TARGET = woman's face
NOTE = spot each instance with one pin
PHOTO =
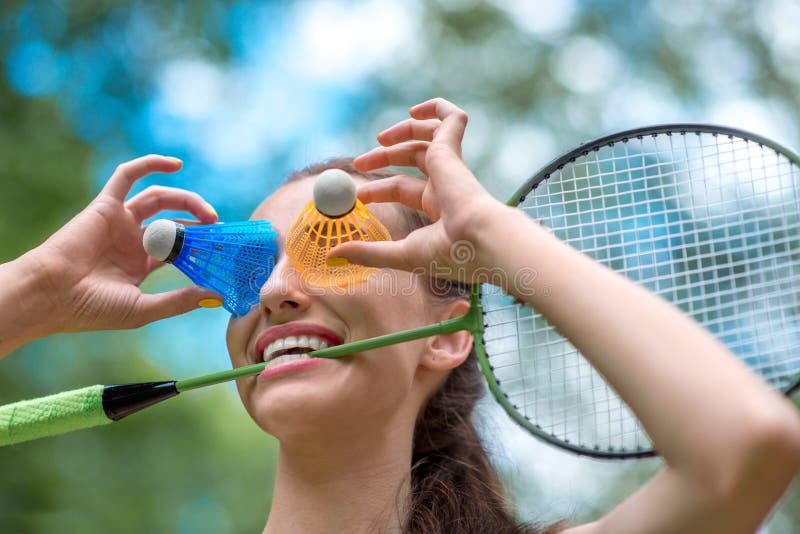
(296, 397)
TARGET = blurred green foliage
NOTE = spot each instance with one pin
(197, 463)
(43, 169)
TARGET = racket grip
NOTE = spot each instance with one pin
(55, 414)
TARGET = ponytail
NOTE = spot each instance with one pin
(454, 486)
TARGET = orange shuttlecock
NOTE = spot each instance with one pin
(334, 216)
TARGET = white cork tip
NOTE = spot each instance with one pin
(334, 193)
(159, 238)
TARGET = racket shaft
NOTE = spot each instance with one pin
(472, 321)
(445, 327)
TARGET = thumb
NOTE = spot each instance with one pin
(153, 307)
(380, 254)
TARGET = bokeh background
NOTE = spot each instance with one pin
(245, 92)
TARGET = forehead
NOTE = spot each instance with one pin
(283, 207)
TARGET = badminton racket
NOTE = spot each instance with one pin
(707, 217)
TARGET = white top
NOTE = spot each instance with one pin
(159, 238)
(334, 193)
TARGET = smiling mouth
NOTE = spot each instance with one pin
(292, 348)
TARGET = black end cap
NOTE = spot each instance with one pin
(121, 400)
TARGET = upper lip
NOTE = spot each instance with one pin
(293, 329)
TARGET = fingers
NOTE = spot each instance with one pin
(454, 120)
(153, 264)
(409, 129)
(404, 155)
(119, 185)
(187, 222)
(435, 123)
(150, 308)
(158, 198)
(403, 189)
(379, 254)
(412, 253)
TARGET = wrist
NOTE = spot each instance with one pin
(511, 246)
(27, 303)
(491, 231)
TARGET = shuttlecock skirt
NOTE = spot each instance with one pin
(314, 234)
(233, 259)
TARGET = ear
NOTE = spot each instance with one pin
(448, 351)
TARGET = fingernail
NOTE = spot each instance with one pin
(176, 160)
(210, 303)
(212, 210)
(336, 261)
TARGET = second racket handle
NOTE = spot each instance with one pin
(55, 414)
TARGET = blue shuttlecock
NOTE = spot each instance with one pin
(233, 259)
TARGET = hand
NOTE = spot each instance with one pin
(452, 197)
(92, 267)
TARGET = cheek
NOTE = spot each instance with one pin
(388, 373)
(393, 309)
(238, 334)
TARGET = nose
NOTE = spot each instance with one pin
(283, 296)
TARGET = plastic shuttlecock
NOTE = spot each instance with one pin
(334, 216)
(233, 259)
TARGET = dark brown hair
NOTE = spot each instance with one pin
(454, 486)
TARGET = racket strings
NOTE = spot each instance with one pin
(709, 222)
(711, 315)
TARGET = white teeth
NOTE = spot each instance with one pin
(293, 342)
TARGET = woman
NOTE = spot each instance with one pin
(361, 450)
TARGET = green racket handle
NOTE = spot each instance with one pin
(51, 415)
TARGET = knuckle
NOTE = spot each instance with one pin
(395, 187)
(153, 190)
(147, 163)
(136, 317)
(460, 115)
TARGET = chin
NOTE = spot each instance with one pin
(290, 409)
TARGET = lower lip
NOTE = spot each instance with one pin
(295, 366)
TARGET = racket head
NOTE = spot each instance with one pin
(705, 216)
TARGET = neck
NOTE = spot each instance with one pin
(355, 482)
